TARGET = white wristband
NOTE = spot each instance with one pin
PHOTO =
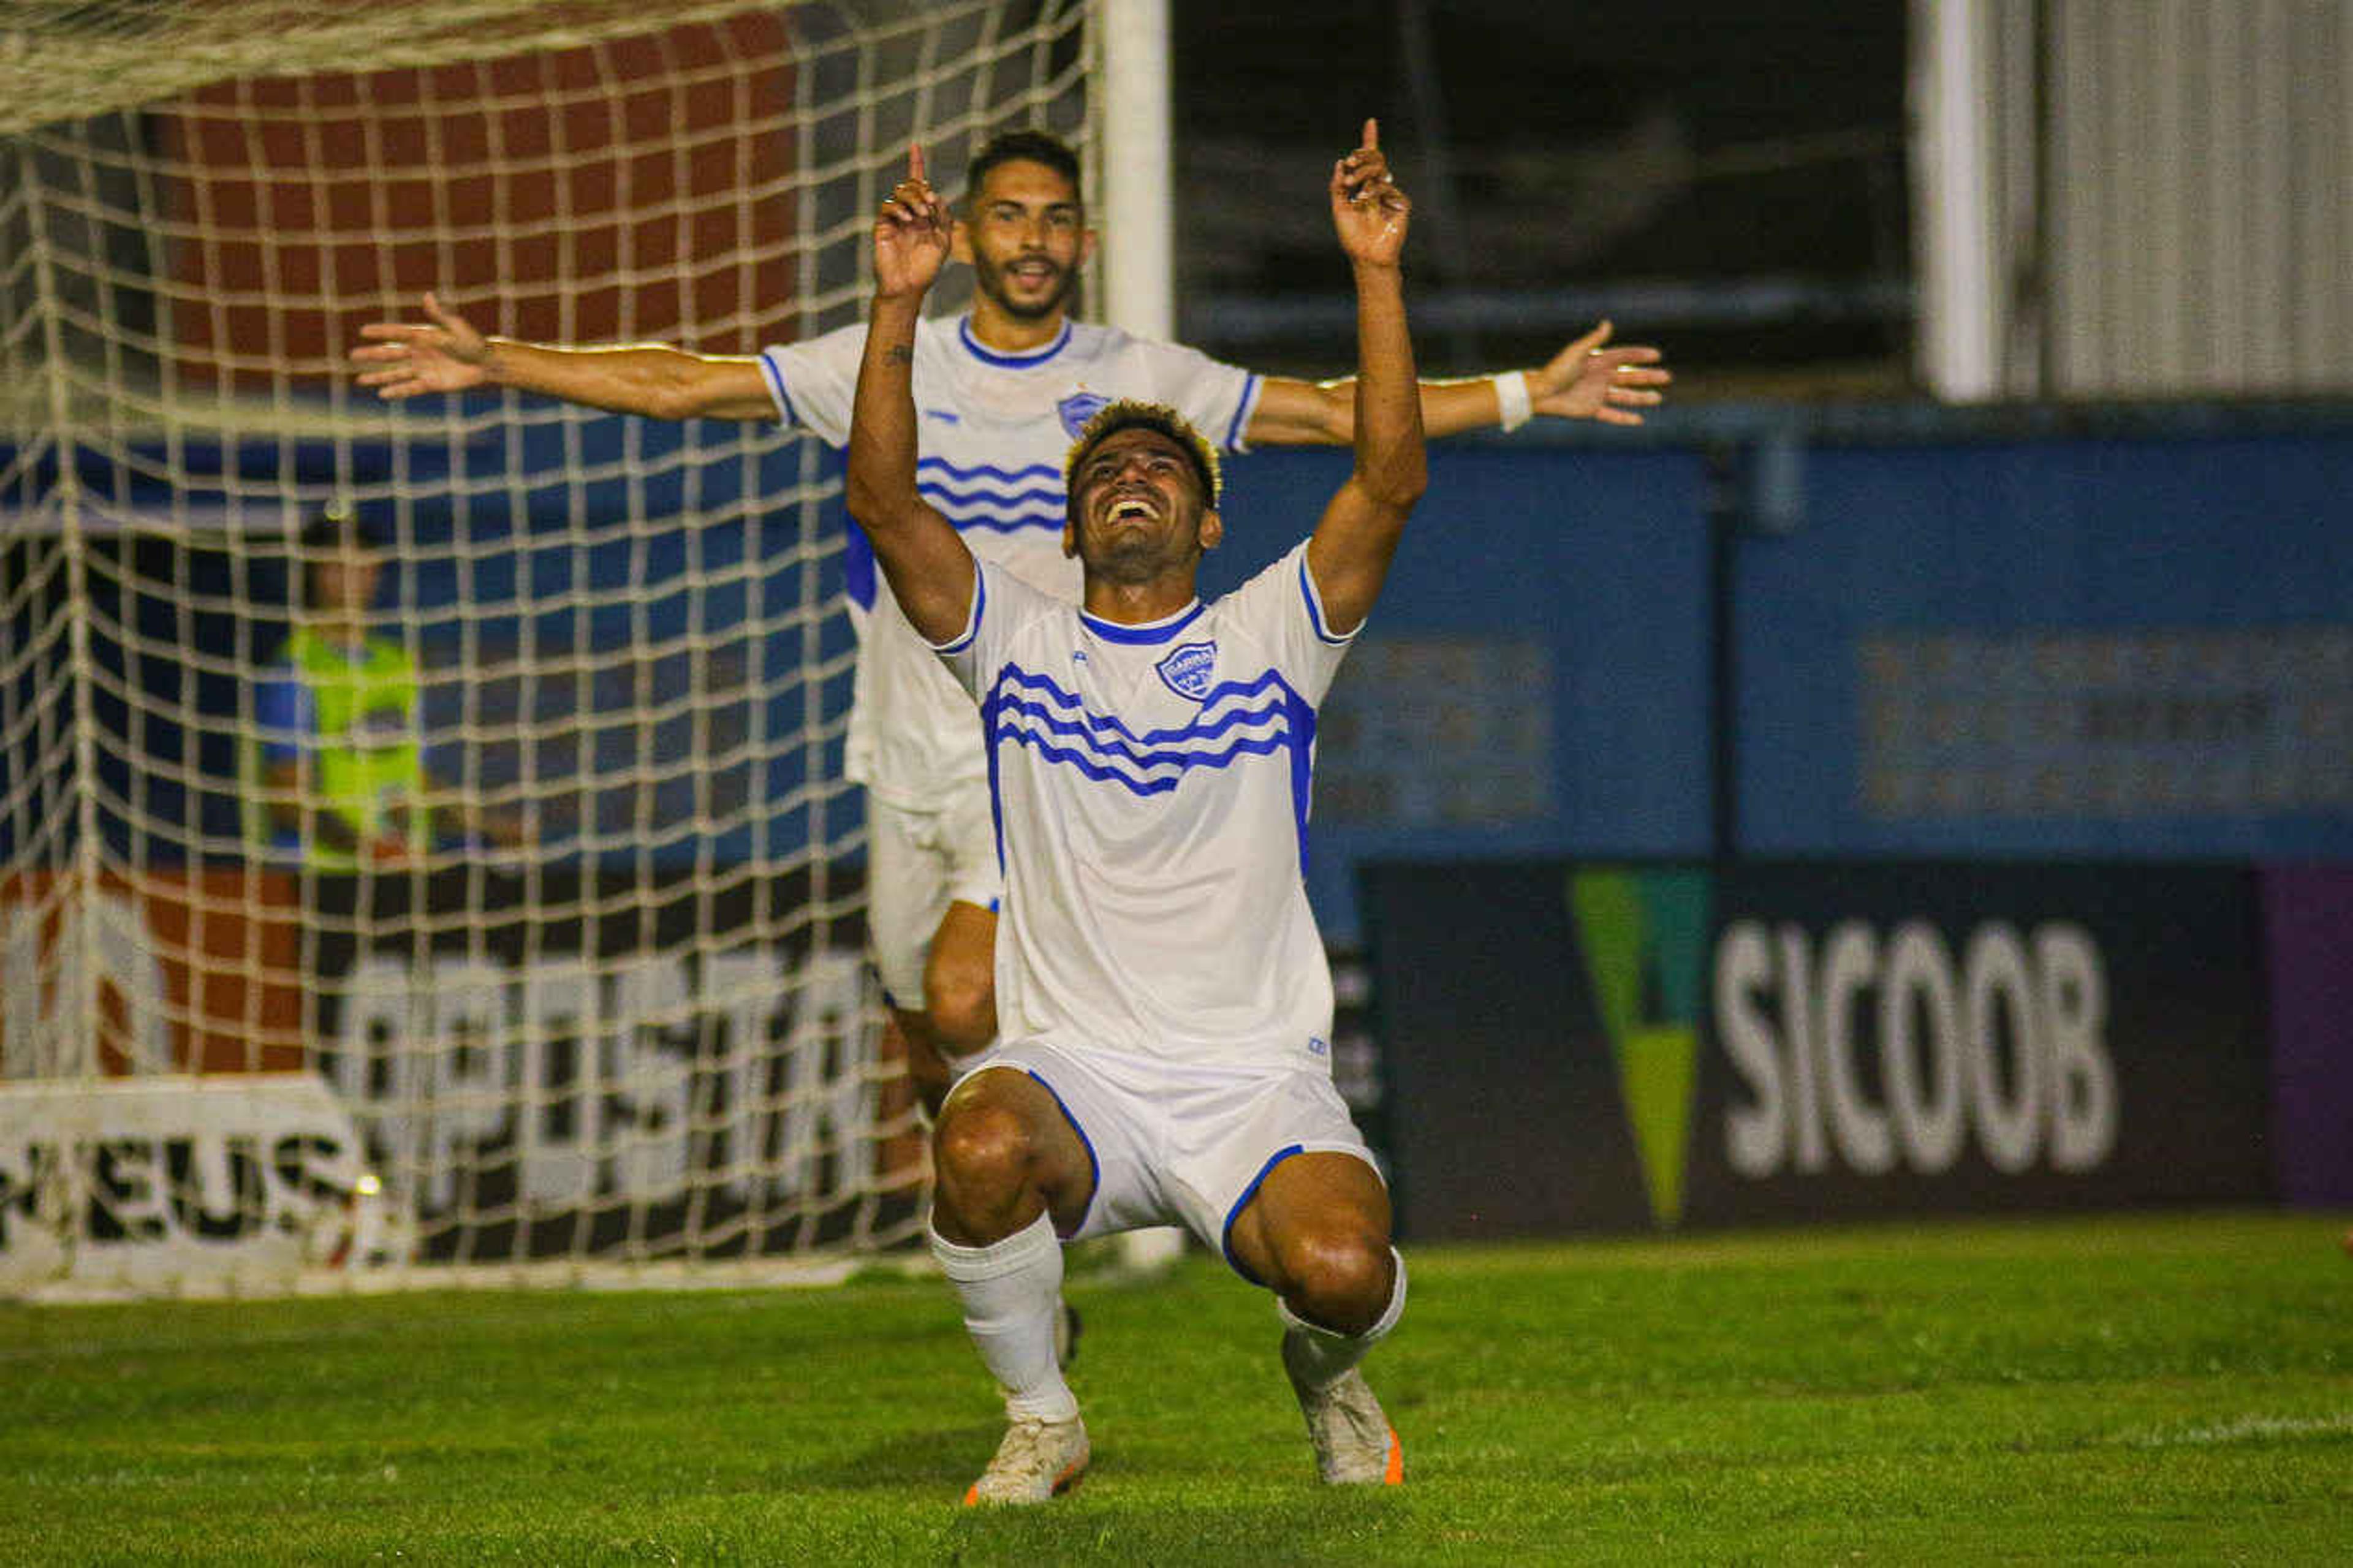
(1511, 396)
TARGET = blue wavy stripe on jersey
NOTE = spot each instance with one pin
(1044, 685)
(1297, 737)
(941, 495)
(1085, 729)
(989, 471)
(1185, 762)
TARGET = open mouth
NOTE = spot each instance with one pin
(1034, 273)
(1130, 507)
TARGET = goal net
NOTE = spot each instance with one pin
(578, 982)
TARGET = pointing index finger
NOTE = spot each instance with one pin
(914, 159)
(1372, 137)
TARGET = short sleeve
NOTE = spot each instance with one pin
(1001, 605)
(813, 383)
(1215, 398)
(1282, 610)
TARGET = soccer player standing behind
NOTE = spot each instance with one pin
(1164, 1003)
(1001, 392)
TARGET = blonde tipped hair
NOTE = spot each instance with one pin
(1132, 413)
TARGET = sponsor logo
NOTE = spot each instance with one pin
(1862, 1048)
(1875, 1048)
(1078, 408)
(656, 1076)
(1644, 935)
(1188, 670)
(197, 1174)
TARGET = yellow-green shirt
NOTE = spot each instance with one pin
(350, 716)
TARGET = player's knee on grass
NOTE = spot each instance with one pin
(983, 1153)
(1338, 1277)
(1004, 1150)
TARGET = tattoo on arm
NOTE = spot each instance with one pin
(899, 353)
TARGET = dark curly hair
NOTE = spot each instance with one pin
(1131, 414)
(1028, 146)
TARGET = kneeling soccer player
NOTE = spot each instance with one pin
(1164, 1002)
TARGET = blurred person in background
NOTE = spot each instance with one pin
(343, 781)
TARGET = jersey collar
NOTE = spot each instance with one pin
(1157, 631)
(986, 355)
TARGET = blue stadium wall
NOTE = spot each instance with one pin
(2043, 635)
(1936, 636)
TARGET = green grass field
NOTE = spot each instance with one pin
(2174, 1388)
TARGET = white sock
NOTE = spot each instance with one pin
(1317, 1357)
(1012, 1292)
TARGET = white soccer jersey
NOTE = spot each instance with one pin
(1151, 785)
(991, 432)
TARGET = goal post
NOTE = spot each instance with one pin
(585, 988)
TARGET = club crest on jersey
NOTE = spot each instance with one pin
(1188, 670)
(1078, 408)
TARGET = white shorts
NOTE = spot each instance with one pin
(917, 863)
(1183, 1143)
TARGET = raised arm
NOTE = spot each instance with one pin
(1587, 380)
(930, 571)
(445, 353)
(1350, 552)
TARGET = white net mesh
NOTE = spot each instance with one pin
(585, 982)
